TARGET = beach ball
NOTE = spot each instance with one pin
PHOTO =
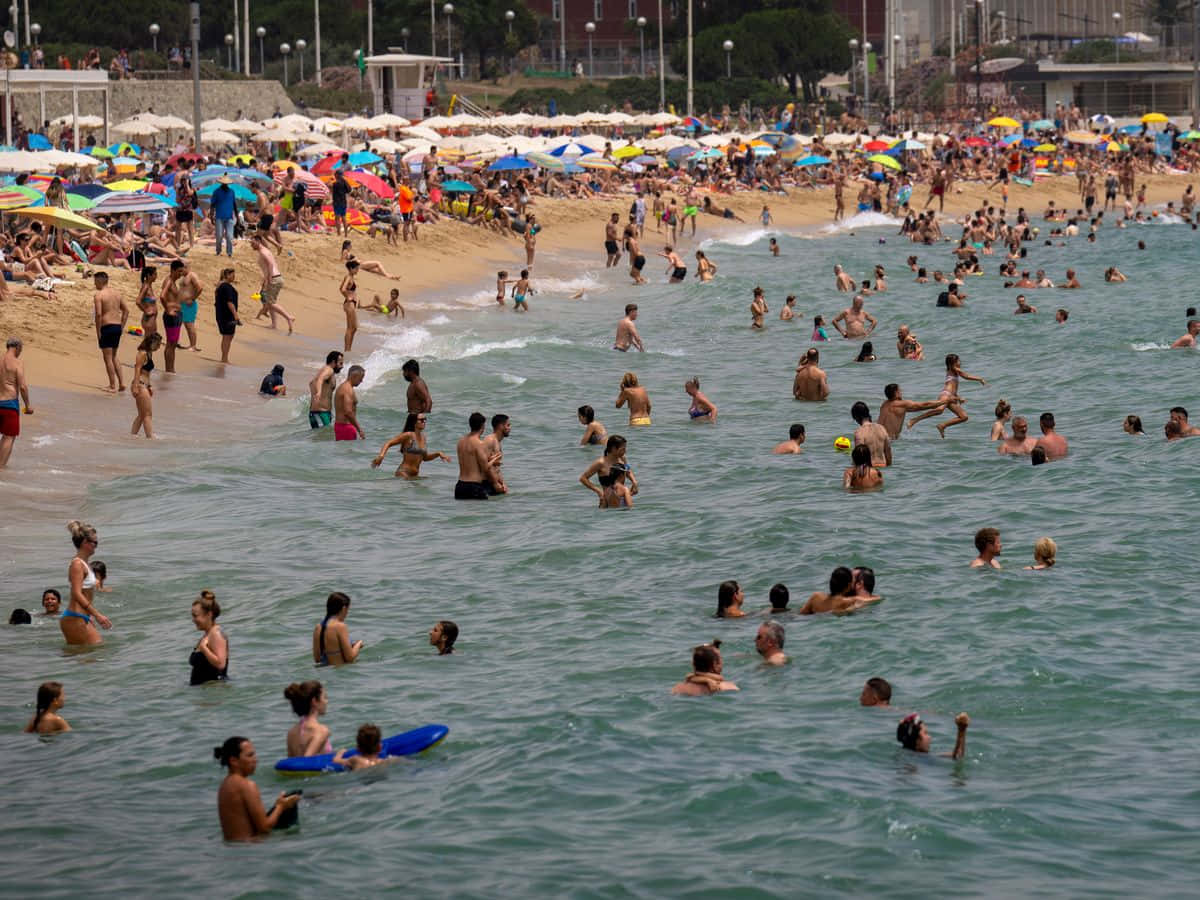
(842, 444)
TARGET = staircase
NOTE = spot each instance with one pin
(473, 109)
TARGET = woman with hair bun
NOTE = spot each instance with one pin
(76, 622)
(210, 657)
(308, 736)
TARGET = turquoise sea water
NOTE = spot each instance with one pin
(569, 770)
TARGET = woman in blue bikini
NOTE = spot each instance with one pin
(76, 622)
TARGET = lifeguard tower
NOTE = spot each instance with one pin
(400, 81)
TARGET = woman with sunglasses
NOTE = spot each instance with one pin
(77, 622)
(413, 447)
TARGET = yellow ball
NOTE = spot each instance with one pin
(842, 444)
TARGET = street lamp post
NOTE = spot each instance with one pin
(728, 48)
(892, 71)
(866, 48)
(1117, 34)
(285, 48)
(641, 24)
(404, 33)
(978, 57)
(590, 28)
(662, 75)
(301, 46)
(35, 29)
(154, 29)
(853, 44)
(509, 15)
(229, 50)
(262, 59)
(448, 10)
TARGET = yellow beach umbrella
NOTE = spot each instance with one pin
(246, 158)
(126, 184)
(280, 164)
(1045, 148)
(1114, 147)
(1154, 118)
(887, 162)
(1004, 122)
(56, 216)
(627, 151)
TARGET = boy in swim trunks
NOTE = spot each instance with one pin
(502, 282)
(521, 290)
(675, 266)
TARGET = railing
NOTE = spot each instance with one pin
(465, 105)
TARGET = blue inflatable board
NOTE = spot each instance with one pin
(406, 744)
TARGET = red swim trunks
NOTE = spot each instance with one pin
(344, 431)
(10, 422)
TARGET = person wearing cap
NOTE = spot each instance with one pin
(272, 384)
(912, 735)
(705, 677)
(223, 206)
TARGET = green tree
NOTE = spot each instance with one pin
(1166, 14)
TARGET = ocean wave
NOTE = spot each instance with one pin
(1149, 345)
(44, 440)
(861, 220)
(440, 319)
(508, 378)
(741, 239)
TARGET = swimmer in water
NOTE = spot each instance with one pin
(308, 736)
(616, 494)
(637, 398)
(758, 308)
(239, 804)
(768, 641)
(502, 283)
(705, 268)
(1019, 443)
(369, 743)
(702, 407)
(842, 281)
(862, 475)
(811, 382)
(593, 431)
(614, 455)
(705, 677)
(1113, 274)
(773, 245)
(792, 444)
(987, 542)
(912, 735)
(1003, 414)
(46, 720)
(856, 319)
(788, 312)
(1044, 551)
(876, 692)
(675, 267)
(1133, 425)
(949, 396)
(413, 448)
(627, 333)
(442, 636)
(331, 644)
(1188, 341)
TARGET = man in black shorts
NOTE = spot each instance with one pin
(610, 241)
(227, 310)
(473, 461)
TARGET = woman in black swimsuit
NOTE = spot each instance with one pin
(210, 659)
(349, 291)
(331, 639)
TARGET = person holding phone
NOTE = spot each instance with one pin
(239, 804)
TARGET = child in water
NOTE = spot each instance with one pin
(819, 333)
(50, 699)
(369, 742)
(100, 570)
(521, 290)
(502, 282)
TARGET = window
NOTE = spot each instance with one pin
(633, 9)
(597, 10)
(556, 9)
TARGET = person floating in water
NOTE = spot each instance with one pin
(369, 743)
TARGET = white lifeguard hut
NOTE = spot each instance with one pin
(400, 81)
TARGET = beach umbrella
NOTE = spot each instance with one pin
(241, 192)
(908, 145)
(127, 184)
(315, 188)
(91, 191)
(1101, 119)
(814, 161)
(596, 162)
(571, 150)
(115, 203)
(16, 196)
(1154, 118)
(84, 121)
(1114, 147)
(888, 162)
(244, 126)
(457, 187)
(1008, 140)
(136, 128)
(218, 124)
(190, 157)
(875, 146)
(1082, 137)
(219, 137)
(98, 152)
(79, 203)
(1028, 143)
(243, 175)
(281, 164)
(1004, 122)
(372, 183)
(546, 161)
(1045, 148)
(627, 152)
(633, 168)
(1190, 136)
(57, 217)
(240, 159)
(364, 158)
(388, 120)
(123, 148)
(38, 142)
(691, 123)
(510, 164)
(1041, 125)
(328, 164)
(646, 160)
(976, 141)
(172, 123)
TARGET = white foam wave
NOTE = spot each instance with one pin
(1149, 345)
(585, 282)
(739, 239)
(44, 440)
(512, 379)
(440, 320)
(861, 220)
(1164, 218)
(481, 347)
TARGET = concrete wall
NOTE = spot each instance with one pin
(255, 100)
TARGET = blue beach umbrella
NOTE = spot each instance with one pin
(1041, 125)
(457, 187)
(91, 191)
(39, 142)
(510, 163)
(573, 168)
(814, 161)
(364, 158)
(572, 149)
(1130, 129)
(124, 147)
(244, 194)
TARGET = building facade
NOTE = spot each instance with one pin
(616, 41)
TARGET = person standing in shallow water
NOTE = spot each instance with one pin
(77, 621)
(705, 677)
(239, 805)
(210, 657)
(331, 644)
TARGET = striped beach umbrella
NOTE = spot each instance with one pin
(15, 196)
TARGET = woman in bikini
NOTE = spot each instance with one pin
(331, 645)
(614, 457)
(412, 445)
(147, 302)
(593, 431)
(702, 407)
(949, 396)
(77, 622)
(349, 291)
(705, 268)
(140, 389)
(1003, 414)
(308, 736)
(861, 476)
(367, 265)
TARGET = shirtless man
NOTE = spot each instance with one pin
(987, 542)
(768, 641)
(637, 261)
(675, 267)
(1051, 441)
(1072, 281)
(843, 281)
(1189, 339)
(418, 396)
(810, 382)
(272, 283)
(637, 397)
(758, 308)
(473, 461)
(788, 312)
(1019, 443)
(902, 337)
(627, 333)
(239, 804)
(1023, 306)
(873, 435)
(320, 404)
(501, 428)
(792, 444)
(345, 407)
(611, 247)
(855, 318)
(1179, 416)
(705, 677)
(182, 286)
(12, 384)
(189, 288)
(893, 409)
(111, 313)
(840, 597)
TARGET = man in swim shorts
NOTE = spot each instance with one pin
(856, 319)
(675, 266)
(12, 385)
(611, 247)
(894, 409)
(633, 247)
(501, 428)
(473, 461)
(627, 333)
(111, 313)
(189, 288)
(345, 404)
(320, 404)
(418, 397)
